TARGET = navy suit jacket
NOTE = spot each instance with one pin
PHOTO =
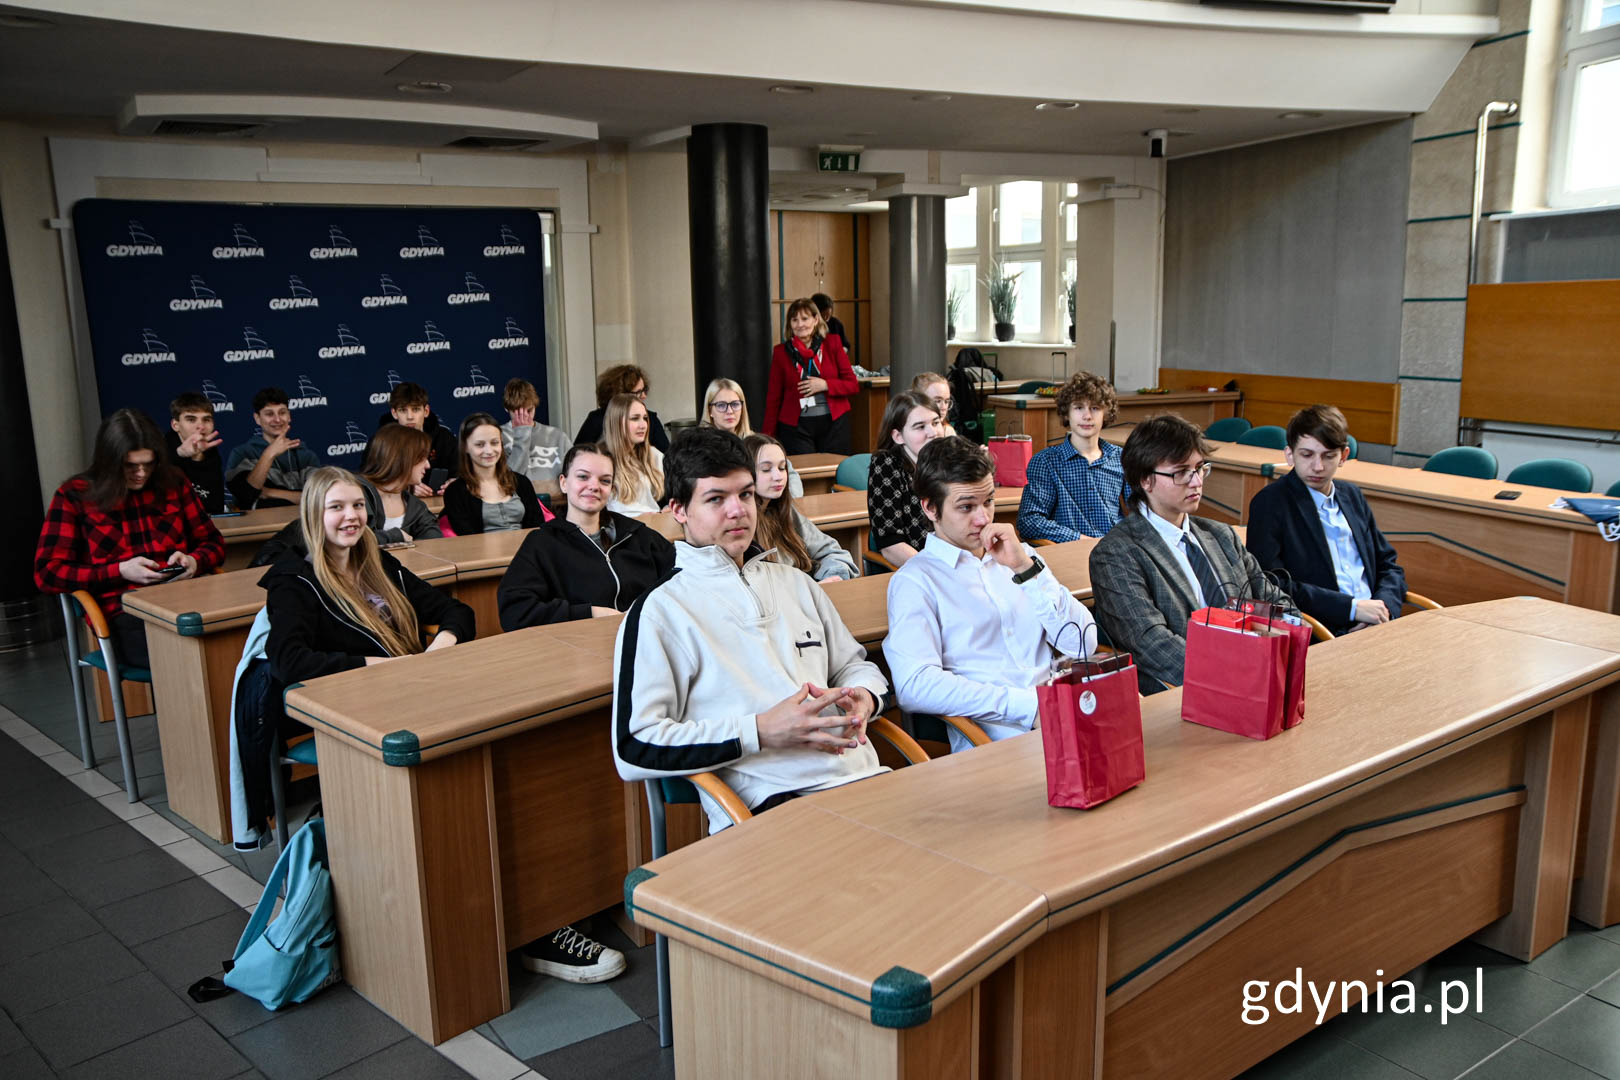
(1285, 533)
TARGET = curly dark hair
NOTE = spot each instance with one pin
(1087, 389)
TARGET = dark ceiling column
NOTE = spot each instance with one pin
(19, 480)
(916, 286)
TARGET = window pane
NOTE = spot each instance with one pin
(1071, 227)
(1027, 313)
(1601, 13)
(1019, 211)
(962, 220)
(1070, 190)
(960, 277)
(1594, 152)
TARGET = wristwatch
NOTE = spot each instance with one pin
(1036, 566)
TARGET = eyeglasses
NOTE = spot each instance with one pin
(1183, 477)
(943, 404)
(640, 392)
(728, 406)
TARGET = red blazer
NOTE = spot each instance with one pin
(782, 392)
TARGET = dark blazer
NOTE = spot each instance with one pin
(466, 512)
(1143, 599)
(591, 430)
(1285, 533)
(559, 573)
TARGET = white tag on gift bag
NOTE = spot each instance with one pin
(1088, 702)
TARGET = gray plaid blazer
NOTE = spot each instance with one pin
(1143, 600)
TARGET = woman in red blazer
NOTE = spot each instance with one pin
(807, 398)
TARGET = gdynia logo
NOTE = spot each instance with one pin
(257, 348)
(472, 292)
(216, 397)
(309, 395)
(480, 384)
(356, 441)
(298, 296)
(202, 297)
(242, 246)
(338, 246)
(348, 345)
(509, 245)
(515, 336)
(153, 351)
(427, 245)
(141, 242)
(432, 340)
(390, 295)
(383, 397)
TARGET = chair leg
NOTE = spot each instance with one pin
(87, 749)
(278, 797)
(115, 689)
(666, 1036)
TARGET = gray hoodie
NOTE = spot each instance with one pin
(536, 451)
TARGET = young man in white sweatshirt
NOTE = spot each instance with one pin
(735, 664)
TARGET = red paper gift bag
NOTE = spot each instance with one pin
(1011, 453)
(1091, 730)
(1241, 673)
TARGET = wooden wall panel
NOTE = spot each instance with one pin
(1543, 353)
(1372, 408)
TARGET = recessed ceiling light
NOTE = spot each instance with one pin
(1182, 109)
(792, 88)
(25, 22)
(1058, 106)
(930, 97)
(424, 86)
(1298, 115)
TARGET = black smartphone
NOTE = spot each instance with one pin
(1508, 494)
(436, 478)
(171, 570)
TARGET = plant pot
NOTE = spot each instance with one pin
(950, 331)
(1005, 331)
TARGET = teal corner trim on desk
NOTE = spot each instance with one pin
(189, 624)
(901, 998)
(401, 748)
(631, 880)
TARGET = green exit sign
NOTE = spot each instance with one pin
(838, 161)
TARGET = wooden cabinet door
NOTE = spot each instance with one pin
(801, 253)
(837, 236)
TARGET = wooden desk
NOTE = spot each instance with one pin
(195, 632)
(998, 936)
(842, 515)
(1037, 417)
(816, 471)
(866, 414)
(480, 560)
(244, 532)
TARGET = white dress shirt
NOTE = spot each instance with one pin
(1348, 568)
(965, 641)
(1172, 535)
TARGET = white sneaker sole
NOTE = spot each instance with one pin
(569, 973)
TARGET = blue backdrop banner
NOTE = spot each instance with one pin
(335, 305)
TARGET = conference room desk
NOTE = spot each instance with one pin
(944, 921)
(866, 409)
(480, 559)
(816, 471)
(195, 631)
(1037, 416)
(842, 515)
(244, 532)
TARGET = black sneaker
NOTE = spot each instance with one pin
(569, 954)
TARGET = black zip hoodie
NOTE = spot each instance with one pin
(558, 574)
(310, 638)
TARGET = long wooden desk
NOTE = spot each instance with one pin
(943, 921)
(816, 471)
(472, 804)
(244, 532)
(1037, 416)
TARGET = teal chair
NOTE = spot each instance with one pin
(852, 472)
(302, 753)
(1614, 490)
(1561, 474)
(1355, 448)
(1269, 436)
(77, 606)
(1463, 461)
(1227, 429)
(1033, 385)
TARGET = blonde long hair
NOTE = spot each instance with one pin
(400, 634)
(744, 428)
(633, 464)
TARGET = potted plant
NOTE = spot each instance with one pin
(1068, 292)
(1002, 289)
(953, 308)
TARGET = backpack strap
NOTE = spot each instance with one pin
(267, 900)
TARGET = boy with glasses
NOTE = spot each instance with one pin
(1160, 563)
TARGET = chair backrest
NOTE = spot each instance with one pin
(1227, 428)
(1552, 472)
(444, 525)
(1355, 448)
(1270, 436)
(1614, 490)
(1463, 461)
(1033, 385)
(852, 471)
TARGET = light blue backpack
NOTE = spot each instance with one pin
(289, 960)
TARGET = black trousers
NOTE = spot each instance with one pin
(815, 435)
(129, 639)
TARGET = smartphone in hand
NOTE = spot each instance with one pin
(436, 478)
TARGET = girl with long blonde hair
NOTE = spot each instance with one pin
(638, 474)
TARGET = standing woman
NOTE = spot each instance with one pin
(898, 525)
(724, 407)
(122, 523)
(396, 461)
(638, 466)
(487, 496)
(348, 604)
(780, 524)
(807, 398)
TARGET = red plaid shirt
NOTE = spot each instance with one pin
(81, 544)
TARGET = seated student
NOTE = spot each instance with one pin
(795, 537)
(1339, 568)
(1074, 487)
(193, 448)
(1160, 563)
(396, 461)
(408, 405)
(973, 619)
(270, 467)
(534, 449)
(115, 526)
(589, 564)
(898, 525)
(936, 388)
(724, 407)
(622, 379)
(486, 495)
(638, 466)
(706, 677)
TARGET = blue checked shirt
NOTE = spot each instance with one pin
(1069, 497)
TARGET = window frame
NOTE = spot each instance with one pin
(1052, 257)
(1580, 48)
